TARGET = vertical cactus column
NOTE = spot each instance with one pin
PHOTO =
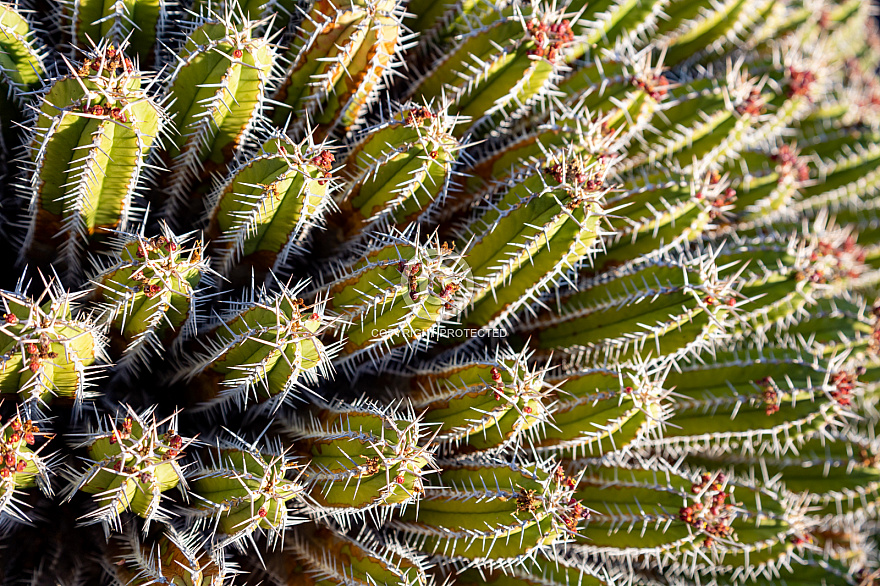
(170, 558)
(262, 213)
(148, 291)
(396, 171)
(140, 22)
(132, 459)
(537, 227)
(483, 403)
(216, 91)
(492, 514)
(390, 298)
(88, 148)
(21, 60)
(47, 353)
(262, 351)
(500, 66)
(339, 59)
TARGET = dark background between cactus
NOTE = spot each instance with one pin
(668, 206)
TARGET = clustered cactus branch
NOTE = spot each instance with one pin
(439, 292)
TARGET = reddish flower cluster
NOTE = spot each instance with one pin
(656, 87)
(417, 116)
(10, 318)
(844, 383)
(799, 82)
(160, 244)
(549, 38)
(788, 163)
(713, 514)
(10, 463)
(574, 172)
(769, 395)
(841, 260)
(412, 272)
(125, 433)
(111, 61)
(496, 381)
(753, 105)
(324, 160)
(36, 353)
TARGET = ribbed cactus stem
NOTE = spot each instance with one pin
(148, 291)
(217, 91)
(133, 458)
(363, 457)
(241, 489)
(264, 211)
(264, 349)
(48, 354)
(22, 466)
(88, 149)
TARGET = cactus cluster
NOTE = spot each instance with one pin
(439, 292)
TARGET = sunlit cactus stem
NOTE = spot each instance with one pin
(148, 292)
(264, 211)
(264, 350)
(22, 466)
(48, 355)
(363, 458)
(140, 22)
(133, 458)
(240, 489)
(338, 60)
(88, 148)
(217, 92)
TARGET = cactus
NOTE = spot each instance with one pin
(132, 460)
(361, 457)
(170, 558)
(264, 211)
(484, 403)
(148, 293)
(49, 353)
(507, 292)
(392, 296)
(141, 23)
(23, 61)
(218, 89)
(23, 467)
(88, 149)
(240, 489)
(264, 349)
(338, 60)
(531, 510)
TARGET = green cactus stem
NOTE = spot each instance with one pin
(22, 466)
(482, 403)
(265, 209)
(87, 150)
(48, 354)
(263, 350)
(536, 228)
(149, 292)
(391, 295)
(240, 489)
(362, 457)
(338, 60)
(133, 459)
(217, 91)
(497, 515)
(170, 558)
